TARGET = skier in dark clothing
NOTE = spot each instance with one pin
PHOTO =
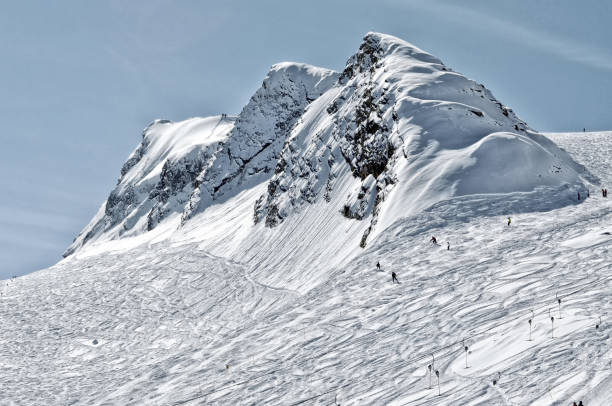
(378, 265)
(448, 246)
(394, 277)
(580, 403)
(578, 195)
(509, 221)
(433, 240)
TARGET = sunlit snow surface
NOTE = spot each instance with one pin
(167, 323)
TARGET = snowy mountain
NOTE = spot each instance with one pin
(234, 262)
(396, 132)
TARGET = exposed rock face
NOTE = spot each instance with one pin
(253, 148)
(359, 133)
(176, 184)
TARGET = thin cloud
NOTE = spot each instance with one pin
(568, 49)
(40, 220)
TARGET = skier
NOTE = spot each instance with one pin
(394, 277)
(433, 240)
(378, 265)
(448, 246)
(509, 221)
(578, 195)
(580, 403)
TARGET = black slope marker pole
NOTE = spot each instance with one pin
(465, 348)
(498, 378)
(529, 321)
(552, 329)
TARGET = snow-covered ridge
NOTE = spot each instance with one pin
(412, 133)
(253, 147)
(181, 167)
(396, 132)
(157, 178)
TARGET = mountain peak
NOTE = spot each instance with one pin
(381, 50)
(313, 78)
(389, 44)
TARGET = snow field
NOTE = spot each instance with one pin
(169, 318)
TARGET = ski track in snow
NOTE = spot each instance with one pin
(177, 326)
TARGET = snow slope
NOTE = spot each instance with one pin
(234, 261)
(175, 325)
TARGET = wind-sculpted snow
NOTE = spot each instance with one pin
(169, 324)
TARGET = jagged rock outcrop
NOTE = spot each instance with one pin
(176, 183)
(253, 148)
(158, 177)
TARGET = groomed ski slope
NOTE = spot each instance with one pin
(167, 323)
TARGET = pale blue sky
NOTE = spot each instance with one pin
(79, 80)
